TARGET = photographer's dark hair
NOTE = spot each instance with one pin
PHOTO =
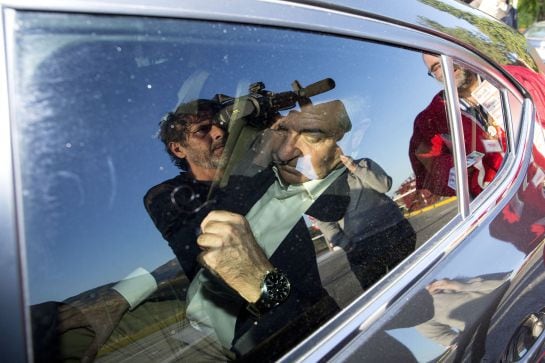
(174, 126)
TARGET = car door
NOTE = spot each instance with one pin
(88, 88)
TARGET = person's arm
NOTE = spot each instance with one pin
(441, 333)
(177, 223)
(136, 287)
(478, 285)
(101, 311)
(231, 252)
(372, 175)
(333, 234)
(438, 162)
(432, 151)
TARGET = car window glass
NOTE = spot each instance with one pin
(483, 124)
(104, 206)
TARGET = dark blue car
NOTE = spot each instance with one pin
(377, 192)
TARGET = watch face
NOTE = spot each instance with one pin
(277, 286)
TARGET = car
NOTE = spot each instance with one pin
(443, 114)
(536, 37)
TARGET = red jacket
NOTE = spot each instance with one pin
(522, 221)
(535, 85)
(431, 156)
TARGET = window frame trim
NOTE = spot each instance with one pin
(12, 247)
(455, 123)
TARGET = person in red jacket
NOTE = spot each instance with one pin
(430, 148)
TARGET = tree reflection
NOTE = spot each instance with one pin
(502, 44)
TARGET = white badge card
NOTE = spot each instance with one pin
(492, 146)
(489, 97)
(452, 179)
(474, 158)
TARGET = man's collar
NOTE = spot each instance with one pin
(311, 187)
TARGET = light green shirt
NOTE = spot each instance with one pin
(271, 218)
(274, 215)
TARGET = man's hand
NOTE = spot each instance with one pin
(349, 163)
(99, 311)
(232, 253)
(445, 285)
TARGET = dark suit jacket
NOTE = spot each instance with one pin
(308, 303)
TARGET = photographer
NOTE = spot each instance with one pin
(430, 147)
(81, 325)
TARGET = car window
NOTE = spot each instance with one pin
(152, 151)
(483, 125)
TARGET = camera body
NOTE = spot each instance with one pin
(260, 108)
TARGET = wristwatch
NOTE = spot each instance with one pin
(275, 289)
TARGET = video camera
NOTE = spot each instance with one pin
(259, 108)
(246, 116)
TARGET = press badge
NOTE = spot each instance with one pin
(492, 146)
(471, 160)
(452, 179)
(489, 97)
(474, 158)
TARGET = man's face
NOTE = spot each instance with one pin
(203, 144)
(433, 64)
(306, 147)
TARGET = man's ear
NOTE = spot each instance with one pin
(177, 149)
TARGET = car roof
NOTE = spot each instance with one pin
(449, 19)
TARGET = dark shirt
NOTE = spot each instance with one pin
(176, 207)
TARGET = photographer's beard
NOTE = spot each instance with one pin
(465, 82)
(207, 159)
